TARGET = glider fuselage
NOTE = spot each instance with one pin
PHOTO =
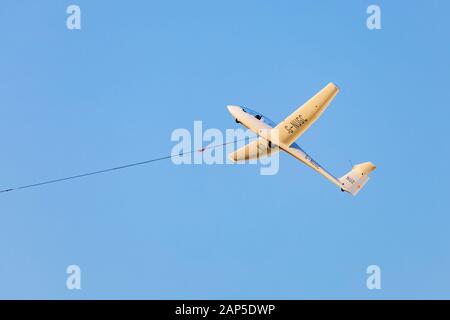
(282, 136)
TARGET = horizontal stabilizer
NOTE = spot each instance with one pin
(355, 179)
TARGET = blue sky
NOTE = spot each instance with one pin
(113, 92)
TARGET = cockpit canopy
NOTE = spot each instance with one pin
(259, 116)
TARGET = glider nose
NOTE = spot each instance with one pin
(233, 110)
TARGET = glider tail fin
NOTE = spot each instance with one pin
(354, 180)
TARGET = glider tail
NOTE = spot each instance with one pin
(354, 180)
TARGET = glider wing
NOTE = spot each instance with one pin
(253, 150)
(301, 119)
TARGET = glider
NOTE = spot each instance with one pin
(273, 137)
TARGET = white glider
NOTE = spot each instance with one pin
(274, 137)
